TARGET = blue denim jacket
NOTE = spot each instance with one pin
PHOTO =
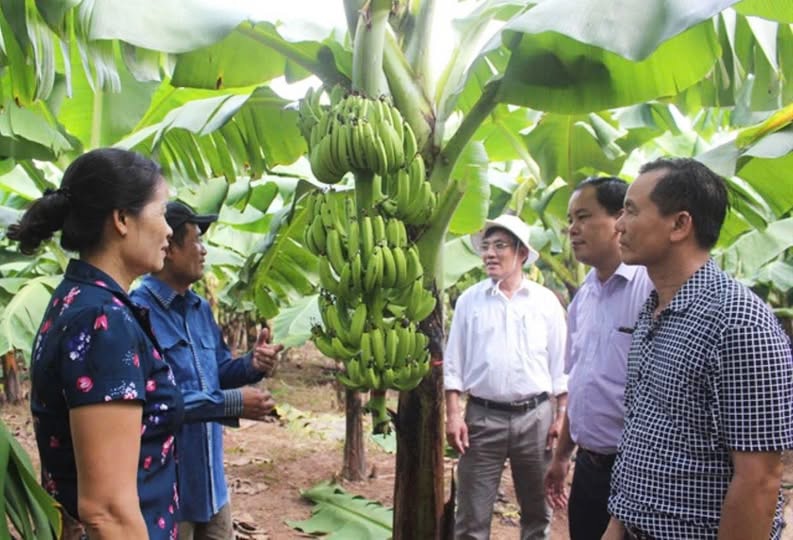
(209, 379)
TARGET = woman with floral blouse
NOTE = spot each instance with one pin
(105, 405)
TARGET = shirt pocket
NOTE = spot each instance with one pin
(532, 334)
(483, 323)
(618, 347)
(179, 356)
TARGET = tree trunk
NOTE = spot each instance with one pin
(10, 377)
(418, 489)
(354, 448)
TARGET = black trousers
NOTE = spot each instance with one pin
(587, 510)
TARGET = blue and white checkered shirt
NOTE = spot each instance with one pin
(711, 375)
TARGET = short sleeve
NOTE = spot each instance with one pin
(756, 389)
(101, 357)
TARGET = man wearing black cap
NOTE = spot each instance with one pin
(212, 382)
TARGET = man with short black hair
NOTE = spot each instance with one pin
(709, 397)
(600, 320)
(212, 382)
(506, 351)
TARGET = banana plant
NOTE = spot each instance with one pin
(26, 506)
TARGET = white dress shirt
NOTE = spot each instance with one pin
(506, 349)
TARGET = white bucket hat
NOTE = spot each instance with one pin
(513, 224)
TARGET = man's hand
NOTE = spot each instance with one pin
(555, 477)
(265, 354)
(553, 432)
(457, 433)
(256, 403)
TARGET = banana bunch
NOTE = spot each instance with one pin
(409, 194)
(310, 112)
(356, 134)
(372, 295)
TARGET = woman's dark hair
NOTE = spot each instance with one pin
(95, 184)
(609, 191)
(688, 185)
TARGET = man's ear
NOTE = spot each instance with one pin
(682, 227)
(120, 220)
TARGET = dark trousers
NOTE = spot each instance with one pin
(587, 510)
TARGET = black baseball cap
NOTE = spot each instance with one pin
(178, 213)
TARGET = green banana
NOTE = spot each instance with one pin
(367, 239)
(414, 268)
(323, 345)
(391, 342)
(334, 250)
(318, 234)
(379, 230)
(357, 324)
(356, 267)
(378, 348)
(326, 278)
(389, 267)
(374, 270)
(341, 351)
(411, 145)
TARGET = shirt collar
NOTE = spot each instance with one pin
(623, 271)
(492, 287)
(694, 287)
(165, 294)
(85, 272)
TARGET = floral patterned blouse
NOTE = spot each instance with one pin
(94, 346)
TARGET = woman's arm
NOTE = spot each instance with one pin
(106, 440)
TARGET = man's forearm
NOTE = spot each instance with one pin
(452, 403)
(748, 509)
(565, 444)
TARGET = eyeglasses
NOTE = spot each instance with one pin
(499, 246)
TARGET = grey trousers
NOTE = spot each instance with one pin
(494, 437)
(219, 527)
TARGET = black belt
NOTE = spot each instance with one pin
(604, 461)
(636, 534)
(522, 405)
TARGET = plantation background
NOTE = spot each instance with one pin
(512, 103)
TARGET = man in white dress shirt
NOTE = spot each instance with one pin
(506, 351)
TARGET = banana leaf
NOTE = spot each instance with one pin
(342, 516)
(30, 510)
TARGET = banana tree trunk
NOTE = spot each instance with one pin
(418, 491)
(10, 377)
(354, 448)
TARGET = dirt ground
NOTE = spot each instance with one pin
(268, 464)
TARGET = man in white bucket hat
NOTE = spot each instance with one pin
(506, 351)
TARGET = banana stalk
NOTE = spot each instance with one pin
(367, 60)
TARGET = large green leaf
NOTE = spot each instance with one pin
(552, 72)
(775, 10)
(26, 133)
(751, 251)
(617, 26)
(292, 325)
(778, 274)
(340, 515)
(172, 26)
(501, 133)
(226, 135)
(470, 174)
(459, 258)
(574, 147)
(20, 319)
(267, 56)
(281, 271)
(99, 117)
(26, 505)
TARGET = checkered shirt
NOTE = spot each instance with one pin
(712, 374)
